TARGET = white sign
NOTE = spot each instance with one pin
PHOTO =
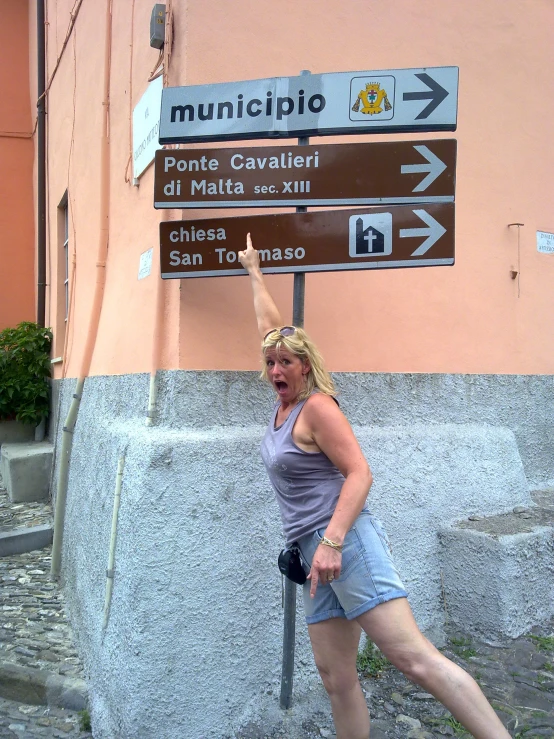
(545, 242)
(146, 124)
(312, 105)
(145, 264)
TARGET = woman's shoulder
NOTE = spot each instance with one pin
(320, 404)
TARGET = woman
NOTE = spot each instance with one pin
(322, 480)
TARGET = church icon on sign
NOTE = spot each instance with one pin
(370, 235)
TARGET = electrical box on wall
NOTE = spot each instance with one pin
(157, 26)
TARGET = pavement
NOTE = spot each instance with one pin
(43, 692)
(517, 677)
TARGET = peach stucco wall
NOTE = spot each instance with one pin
(17, 275)
(472, 317)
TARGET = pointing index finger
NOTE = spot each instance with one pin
(314, 576)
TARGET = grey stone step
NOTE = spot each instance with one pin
(498, 570)
(41, 688)
(28, 539)
(26, 470)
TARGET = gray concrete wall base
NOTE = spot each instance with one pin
(196, 616)
(522, 403)
(201, 399)
(498, 586)
(26, 469)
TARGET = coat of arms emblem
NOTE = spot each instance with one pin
(369, 101)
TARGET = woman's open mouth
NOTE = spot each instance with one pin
(281, 387)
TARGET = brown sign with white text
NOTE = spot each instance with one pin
(334, 174)
(330, 240)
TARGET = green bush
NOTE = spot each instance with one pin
(24, 372)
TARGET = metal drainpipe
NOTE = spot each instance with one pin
(41, 167)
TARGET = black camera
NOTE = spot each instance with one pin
(291, 565)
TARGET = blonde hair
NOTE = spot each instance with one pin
(301, 346)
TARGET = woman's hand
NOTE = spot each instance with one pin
(326, 567)
(249, 257)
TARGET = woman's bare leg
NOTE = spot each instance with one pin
(335, 646)
(392, 627)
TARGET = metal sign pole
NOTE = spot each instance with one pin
(289, 624)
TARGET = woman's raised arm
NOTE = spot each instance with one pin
(267, 313)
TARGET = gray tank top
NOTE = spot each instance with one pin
(307, 484)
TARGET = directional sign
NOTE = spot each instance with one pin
(333, 174)
(382, 101)
(321, 241)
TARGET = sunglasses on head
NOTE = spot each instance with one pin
(284, 331)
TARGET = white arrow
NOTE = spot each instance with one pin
(434, 167)
(433, 233)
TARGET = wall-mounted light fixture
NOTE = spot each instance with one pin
(157, 26)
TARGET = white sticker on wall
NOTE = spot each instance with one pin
(145, 264)
(545, 242)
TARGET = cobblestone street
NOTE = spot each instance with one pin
(39, 667)
(21, 720)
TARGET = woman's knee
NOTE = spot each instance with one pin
(337, 679)
(418, 665)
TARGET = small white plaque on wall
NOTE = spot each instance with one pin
(146, 124)
(545, 242)
(145, 264)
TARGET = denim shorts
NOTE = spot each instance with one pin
(368, 576)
